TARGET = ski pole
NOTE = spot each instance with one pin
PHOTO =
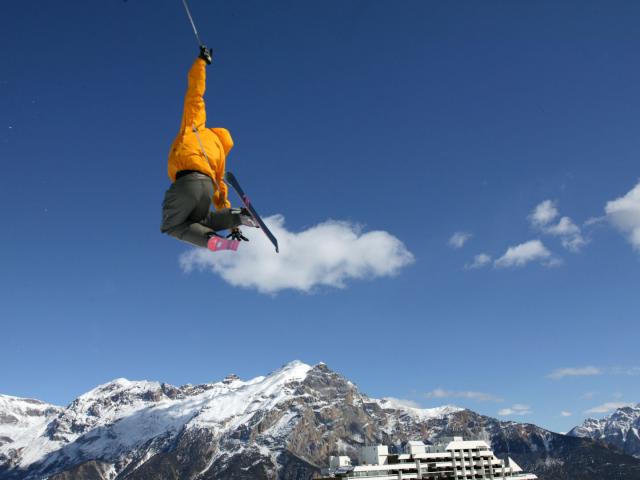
(195, 30)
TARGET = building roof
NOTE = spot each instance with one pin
(467, 444)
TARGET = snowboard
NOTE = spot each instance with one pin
(233, 181)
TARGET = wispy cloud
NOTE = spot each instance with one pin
(328, 254)
(458, 239)
(470, 395)
(588, 395)
(561, 373)
(624, 215)
(400, 402)
(543, 219)
(515, 410)
(595, 221)
(479, 261)
(630, 371)
(565, 413)
(608, 407)
(520, 255)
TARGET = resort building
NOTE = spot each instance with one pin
(452, 458)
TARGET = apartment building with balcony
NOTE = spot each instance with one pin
(453, 458)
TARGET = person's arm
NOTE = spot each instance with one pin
(194, 114)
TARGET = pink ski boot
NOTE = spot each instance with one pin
(216, 243)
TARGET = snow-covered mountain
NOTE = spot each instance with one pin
(21, 421)
(281, 426)
(620, 429)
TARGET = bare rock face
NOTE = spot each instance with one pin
(86, 471)
(280, 427)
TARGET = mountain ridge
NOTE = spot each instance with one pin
(620, 429)
(280, 426)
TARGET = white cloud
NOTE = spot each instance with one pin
(398, 403)
(574, 243)
(570, 234)
(565, 413)
(327, 254)
(608, 407)
(479, 261)
(437, 393)
(561, 373)
(564, 227)
(517, 409)
(470, 395)
(458, 239)
(624, 214)
(524, 253)
(544, 213)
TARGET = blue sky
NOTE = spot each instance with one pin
(418, 119)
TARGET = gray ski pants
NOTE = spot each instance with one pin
(186, 211)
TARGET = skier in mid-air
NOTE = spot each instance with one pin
(197, 170)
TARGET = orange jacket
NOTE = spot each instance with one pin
(186, 152)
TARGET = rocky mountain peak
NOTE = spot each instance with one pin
(621, 429)
(232, 377)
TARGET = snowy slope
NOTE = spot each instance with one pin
(621, 429)
(21, 421)
(123, 415)
(421, 414)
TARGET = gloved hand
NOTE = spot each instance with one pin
(236, 234)
(206, 54)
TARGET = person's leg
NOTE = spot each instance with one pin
(186, 204)
(224, 219)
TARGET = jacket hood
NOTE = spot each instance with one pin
(225, 139)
